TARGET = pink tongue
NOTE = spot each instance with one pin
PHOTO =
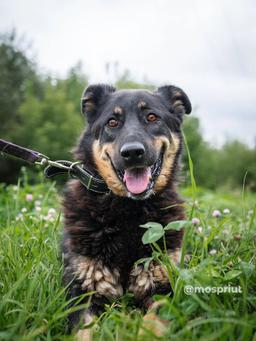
(137, 180)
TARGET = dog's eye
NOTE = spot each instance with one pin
(112, 123)
(151, 118)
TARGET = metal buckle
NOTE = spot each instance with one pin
(89, 182)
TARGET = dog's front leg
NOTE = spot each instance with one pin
(144, 284)
(90, 275)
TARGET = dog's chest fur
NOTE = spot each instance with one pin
(107, 228)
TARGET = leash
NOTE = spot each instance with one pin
(52, 168)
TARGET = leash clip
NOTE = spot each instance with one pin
(52, 168)
(44, 160)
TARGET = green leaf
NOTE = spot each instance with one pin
(232, 274)
(145, 261)
(214, 273)
(153, 234)
(151, 224)
(247, 268)
(177, 225)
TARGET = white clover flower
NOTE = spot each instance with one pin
(226, 211)
(19, 217)
(199, 229)
(216, 213)
(24, 210)
(195, 221)
(38, 208)
(51, 212)
(37, 203)
(49, 218)
(213, 252)
(29, 197)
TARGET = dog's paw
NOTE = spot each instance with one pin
(84, 335)
(152, 324)
(143, 281)
(95, 276)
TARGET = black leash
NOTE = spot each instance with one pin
(53, 168)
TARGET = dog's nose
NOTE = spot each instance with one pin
(132, 152)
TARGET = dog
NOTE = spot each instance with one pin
(132, 141)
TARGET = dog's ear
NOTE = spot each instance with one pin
(178, 101)
(92, 97)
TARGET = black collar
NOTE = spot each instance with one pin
(77, 170)
(74, 169)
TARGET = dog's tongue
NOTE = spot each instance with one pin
(137, 179)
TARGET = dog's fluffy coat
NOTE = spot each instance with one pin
(102, 234)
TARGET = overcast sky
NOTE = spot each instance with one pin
(206, 47)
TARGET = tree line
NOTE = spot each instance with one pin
(42, 112)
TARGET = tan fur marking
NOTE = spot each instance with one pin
(142, 281)
(86, 334)
(151, 322)
(96, 276)
(154, 324)
(160, 274)
(142, 105)
(118, 110)
(105, 168)
(168, 159)
(107, 172)
(88, 318)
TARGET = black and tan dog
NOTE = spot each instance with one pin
(133, 142)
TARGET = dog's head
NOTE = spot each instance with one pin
(134, 136)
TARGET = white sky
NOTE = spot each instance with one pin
(206, 47)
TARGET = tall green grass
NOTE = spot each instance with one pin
(217, 252)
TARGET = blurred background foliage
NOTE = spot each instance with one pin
(42, 112)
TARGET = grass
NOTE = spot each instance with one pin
(221, 252)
